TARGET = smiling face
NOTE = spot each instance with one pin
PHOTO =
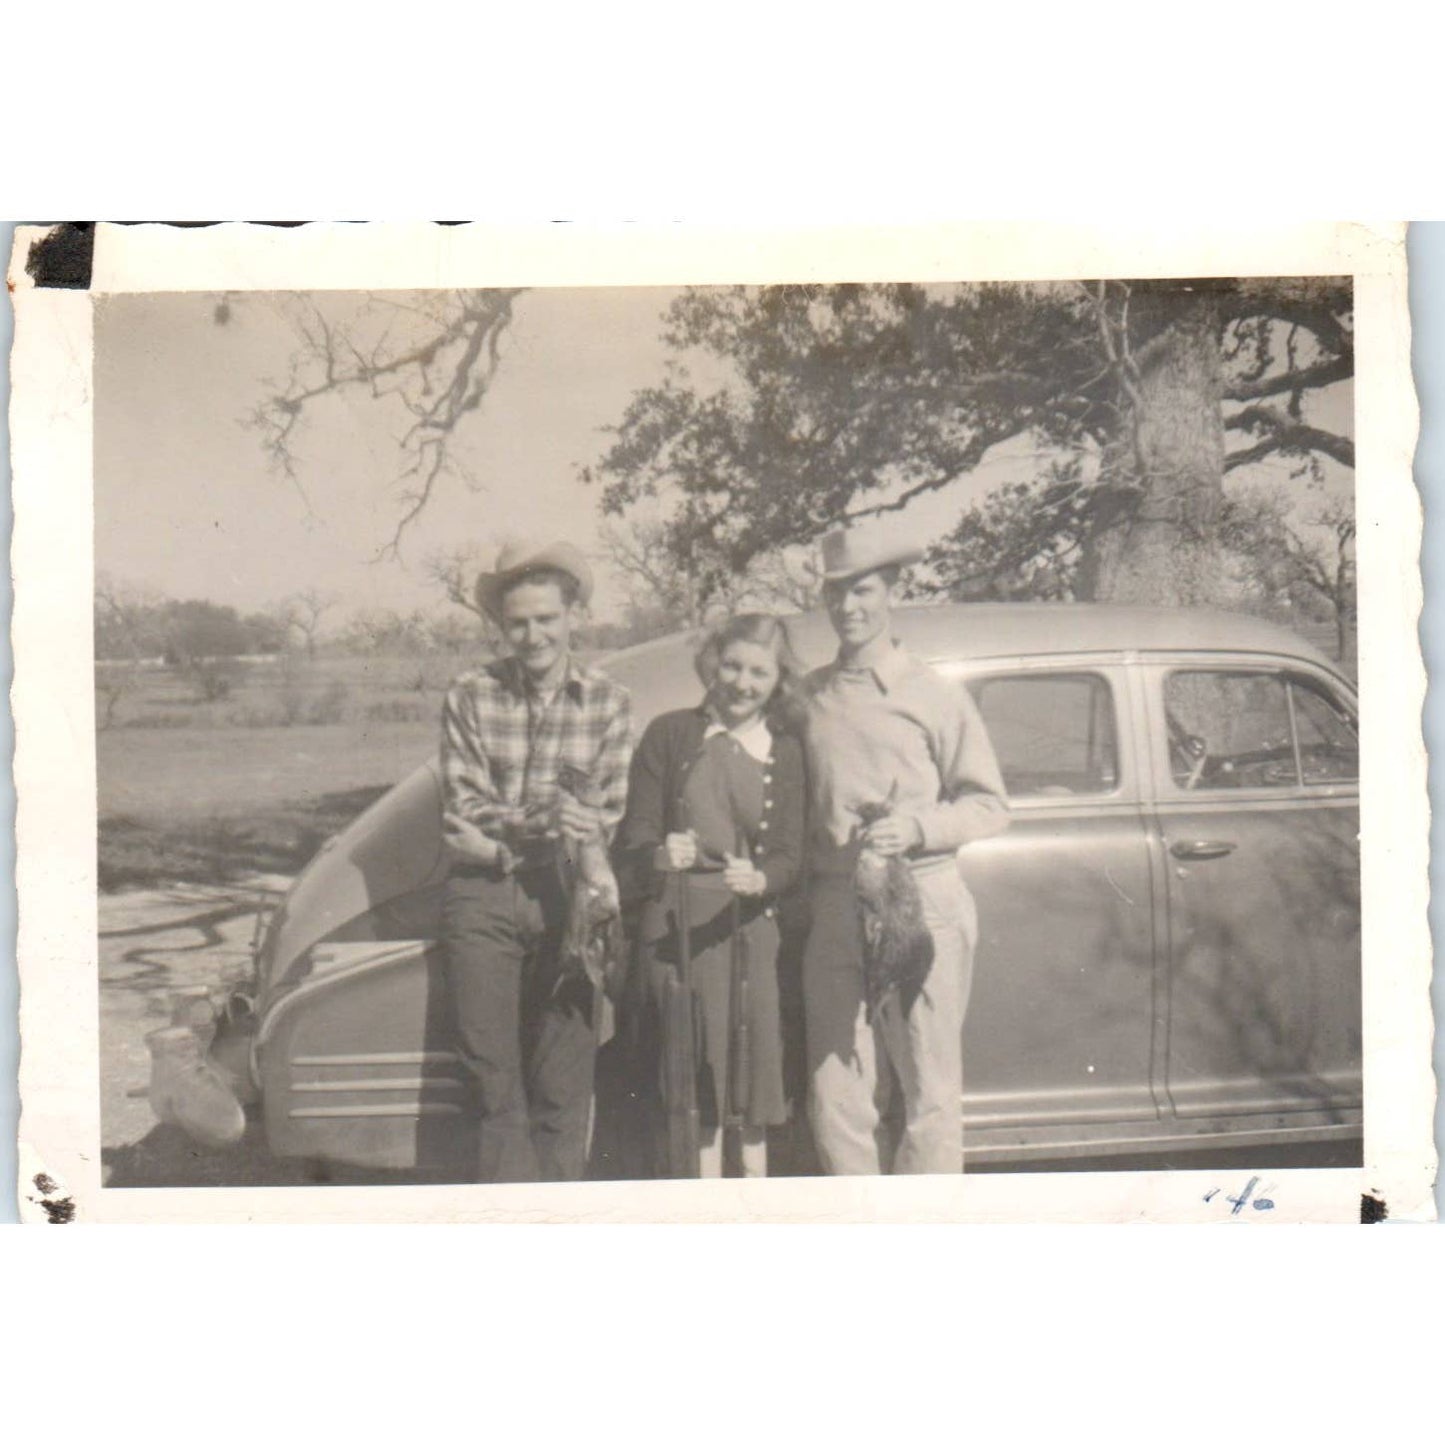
(747, 675)
(537, 621)
(859, 608)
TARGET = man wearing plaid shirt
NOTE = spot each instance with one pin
(535, 748)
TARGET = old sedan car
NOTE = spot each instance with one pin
(1169, 956)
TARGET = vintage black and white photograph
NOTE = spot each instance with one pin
(555, 734)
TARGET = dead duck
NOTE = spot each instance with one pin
(897, 946)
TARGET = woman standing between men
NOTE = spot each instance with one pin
(715, 807)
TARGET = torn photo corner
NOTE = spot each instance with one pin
(337, 546)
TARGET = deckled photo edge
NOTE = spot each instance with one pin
(54, 702)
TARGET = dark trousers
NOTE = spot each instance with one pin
(524, 1031)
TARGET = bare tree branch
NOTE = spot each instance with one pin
(1278, 432)
(1322, 374)
(302, 612)
(455, 573)
(439, 380)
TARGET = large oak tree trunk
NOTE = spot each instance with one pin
(1161, 482)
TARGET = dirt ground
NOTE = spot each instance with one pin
(152, 942)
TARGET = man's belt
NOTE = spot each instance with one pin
(531, 854)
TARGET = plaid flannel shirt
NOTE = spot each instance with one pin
(502, 749)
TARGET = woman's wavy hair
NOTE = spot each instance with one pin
(784, 710)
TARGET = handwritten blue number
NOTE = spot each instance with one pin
(1242, 1198)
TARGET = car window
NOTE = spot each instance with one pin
(1229, 730)
(1255, 729)
(1054, 733)
(1329, 746)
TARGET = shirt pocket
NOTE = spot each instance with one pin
(581, 754)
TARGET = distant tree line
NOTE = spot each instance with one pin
(138, 625)
(208, 645)
(128, 627)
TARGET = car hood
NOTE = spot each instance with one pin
(392, 849)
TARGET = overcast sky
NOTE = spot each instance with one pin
(185, 502)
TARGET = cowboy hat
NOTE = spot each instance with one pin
(852, 551)
(517, 558)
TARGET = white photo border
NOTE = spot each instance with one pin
(51, 416)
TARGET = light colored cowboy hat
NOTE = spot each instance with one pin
(852, 551)
(515, 558)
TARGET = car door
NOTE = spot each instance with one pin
(1256, 765)
(1058, 1031)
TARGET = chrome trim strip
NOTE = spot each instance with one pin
(372, 1111)
(428, 1056)
(979, 1151)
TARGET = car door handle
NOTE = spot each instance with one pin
(1202, 848)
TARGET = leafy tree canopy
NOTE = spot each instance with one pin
(844, 401)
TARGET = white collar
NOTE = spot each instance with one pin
(754, 737)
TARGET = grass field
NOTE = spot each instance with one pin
(211, 772)
(219, 789)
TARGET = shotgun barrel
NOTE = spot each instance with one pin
(680, 1050)
(740, 1059)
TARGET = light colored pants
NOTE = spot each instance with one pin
(853, 1065)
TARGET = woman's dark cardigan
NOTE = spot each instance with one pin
(669, 748)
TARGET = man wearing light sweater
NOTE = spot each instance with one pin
(882, 723)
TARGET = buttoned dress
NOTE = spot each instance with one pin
(740, 793)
